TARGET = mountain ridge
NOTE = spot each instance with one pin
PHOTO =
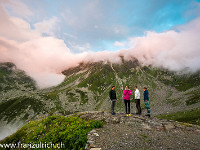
(86, 88)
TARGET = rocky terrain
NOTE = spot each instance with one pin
(139, 132)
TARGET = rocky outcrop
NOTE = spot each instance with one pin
(134, 123)
(146, 122)
(91, 137)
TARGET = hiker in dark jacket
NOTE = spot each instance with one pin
(146, 101)
(113, 99)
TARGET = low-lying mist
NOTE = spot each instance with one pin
(8, 129)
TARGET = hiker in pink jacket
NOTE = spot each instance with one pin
(127, 94)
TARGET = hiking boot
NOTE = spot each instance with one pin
(129, 114)
(148, 115)
(138, 114)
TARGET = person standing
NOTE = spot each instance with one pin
(127, 94)
(146, 101)
(113, 99)
(137, 100)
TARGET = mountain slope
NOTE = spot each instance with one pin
(169, 91)
(13, 79)
(86, 88)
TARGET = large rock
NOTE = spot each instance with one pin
(169, 126)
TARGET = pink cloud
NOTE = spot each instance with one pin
(174, 50)
(17, 7)
(44, 58)
(47, 26)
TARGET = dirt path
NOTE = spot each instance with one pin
(120, 83)
(117, 77)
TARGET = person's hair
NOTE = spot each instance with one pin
(113, 86)
(145, 88)
(136, 86)
(127, 86)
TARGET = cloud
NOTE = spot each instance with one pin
(15, 28)
(45, 57)
(79, 48)
(174, 50)
(17, 7)
(105, 56)
(119, 44)
(8, 129)
(48, 27)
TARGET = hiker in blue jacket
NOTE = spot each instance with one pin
(146, 101)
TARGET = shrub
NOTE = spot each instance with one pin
(72, 131)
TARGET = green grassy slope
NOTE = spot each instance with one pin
(181, 82)
(71, 131)
(192, 116)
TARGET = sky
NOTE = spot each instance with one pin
(45, 37)
(96, 25)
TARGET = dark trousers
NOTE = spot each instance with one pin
(127, 106)
(113, 106)
(137, 102)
